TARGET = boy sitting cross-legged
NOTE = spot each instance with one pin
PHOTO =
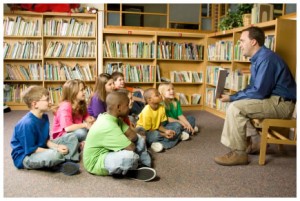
(113, 148)
(31, 144)
(160, 134)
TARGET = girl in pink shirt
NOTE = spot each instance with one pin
(71, 115)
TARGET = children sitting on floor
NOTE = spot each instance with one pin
(31, 144)
(160, 134)
(174, 111)
(113, 148)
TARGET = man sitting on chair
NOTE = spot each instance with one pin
(270, 94)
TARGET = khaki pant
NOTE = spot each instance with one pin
(240, 112)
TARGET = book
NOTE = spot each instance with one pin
(222, 74)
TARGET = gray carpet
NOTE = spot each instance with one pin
(187, 170)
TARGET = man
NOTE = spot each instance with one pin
(270, 94)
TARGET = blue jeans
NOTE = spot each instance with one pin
(121, 161)
(155, 136)
(80, 133)
(192, 121)
(51, 157)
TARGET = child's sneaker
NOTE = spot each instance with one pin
(69, 168)
(142, 174)
(196, 129)
(184, 136)
(157, 147)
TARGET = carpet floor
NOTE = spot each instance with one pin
(187, 170)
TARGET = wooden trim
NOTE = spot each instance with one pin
(291, 16)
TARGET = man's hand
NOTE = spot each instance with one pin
(224, 98)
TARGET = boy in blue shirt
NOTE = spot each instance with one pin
(30, 143)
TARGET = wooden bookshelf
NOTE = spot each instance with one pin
(164, 46)
(73, 55)
(284, 32)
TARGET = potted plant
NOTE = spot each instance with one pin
(245, 12)
(231, 20)
(235, 19)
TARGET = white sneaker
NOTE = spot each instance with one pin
(157, 147)
(184, 136)
(196, 129)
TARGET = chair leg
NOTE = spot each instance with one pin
(263, 147)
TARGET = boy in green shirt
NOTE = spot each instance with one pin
(113, 148)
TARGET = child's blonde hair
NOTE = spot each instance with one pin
(100, 86)
(69, 92)
(162, 88)
(34, 93)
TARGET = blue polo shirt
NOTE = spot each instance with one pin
(270, 75)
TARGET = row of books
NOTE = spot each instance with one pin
(184, 99)
(64, 72)
(55, 94)
(13, 93)
(23, 50)
(212, 101)
(21, 27)
(21, 72)
(186, 76)
(35, 71)
(235, 80)
(238, 56)
(220, 51)
(270, 42)
(138, 73)
(86, 49)
(181, 51)
(238, 79)
(128, 50)
(72, 27)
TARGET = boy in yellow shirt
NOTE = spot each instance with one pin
(160, 134)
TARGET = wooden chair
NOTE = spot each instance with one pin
(275, 131)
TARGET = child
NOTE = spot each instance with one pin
(153, 120)
(71, 115)
(112, 148)
(173, 109)
(138, 100)
(104, 85)
(30, 143)
(129, 120)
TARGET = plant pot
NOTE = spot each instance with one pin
(246, 19)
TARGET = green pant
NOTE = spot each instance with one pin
(240, 112)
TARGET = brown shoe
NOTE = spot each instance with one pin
(232, 158)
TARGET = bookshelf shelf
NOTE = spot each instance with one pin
(129, 59)
(181, 60)
(48, 27)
